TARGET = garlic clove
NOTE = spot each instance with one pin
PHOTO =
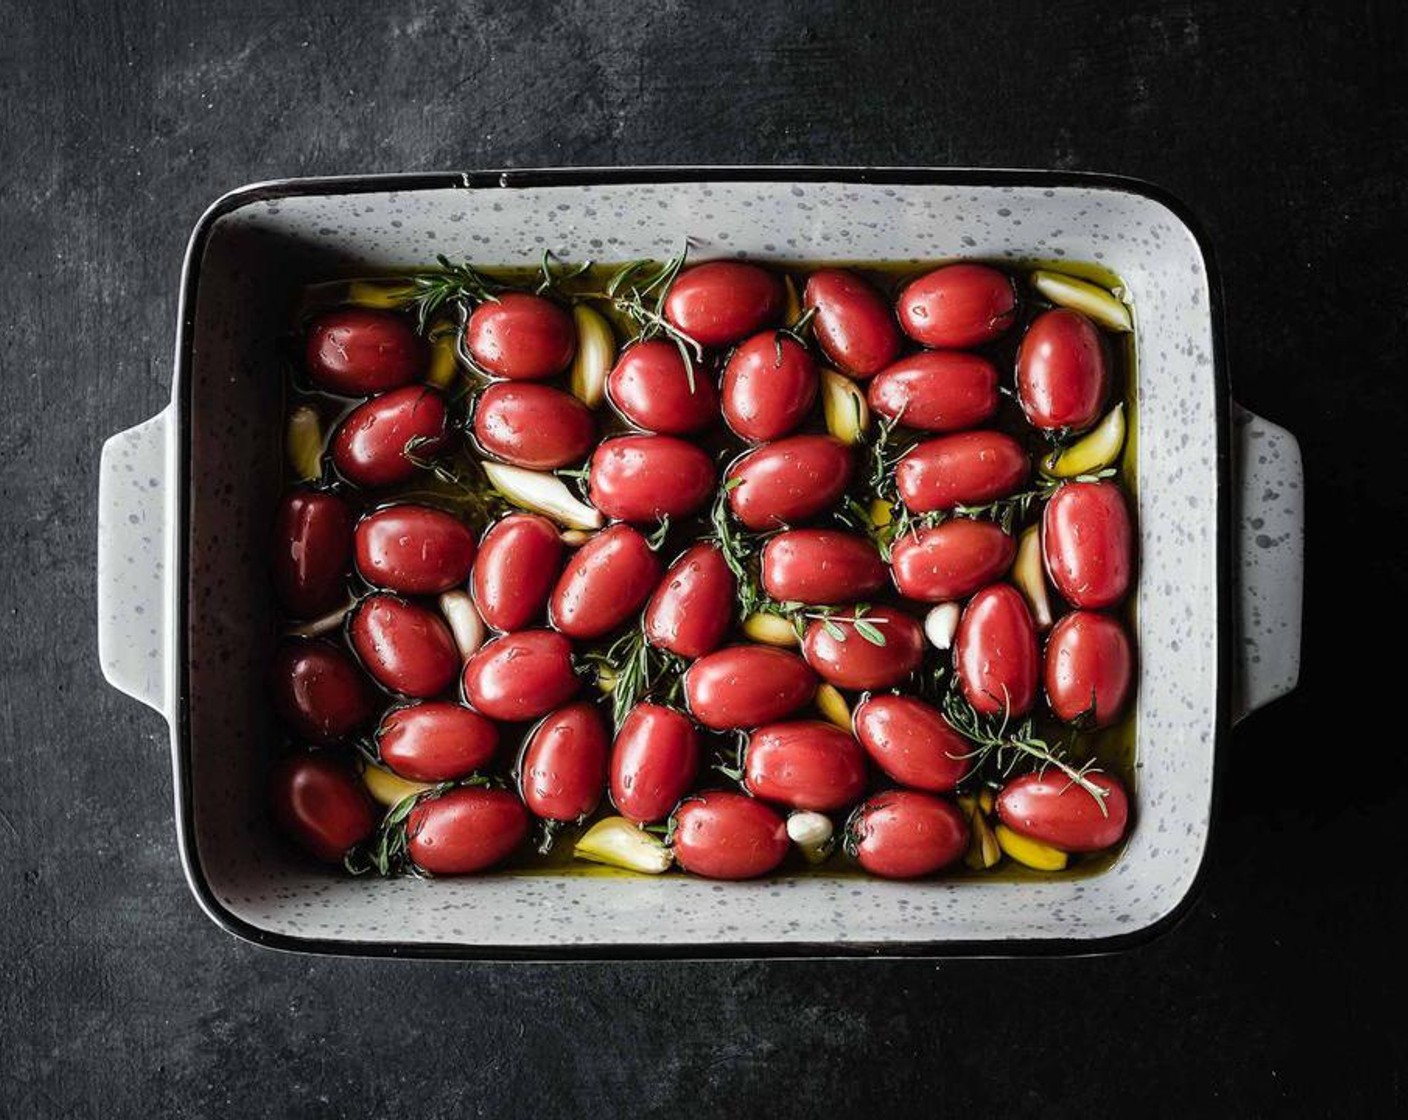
(941, 624)
(465, 622)
(304, 443)
(770, 629)
(1094, 451)
(1089, 299)
(1029, 574)
(616, 842)
(387, 788)
(832, 705)
(1028, 852)
(542, 492)
(813, 833)
(596, 353)
(844, 405)
(317, 626)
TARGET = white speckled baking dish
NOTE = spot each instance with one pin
(186, 497)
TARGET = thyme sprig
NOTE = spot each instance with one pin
(454, 284)
(637, 671)
(858, 619)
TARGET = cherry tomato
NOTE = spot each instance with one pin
(1089, 668)
(1051, 808)
(604, 583)
(968, 468)
(319, 691)
(854, 661)
(1062, 375)
(936, 391)
(521, 676)
(650, 386)
(769, 386)
(951, 560)
(562, 773)
(722, 302)
(747, 686)
(902, 834)
(519, 559)
(1087, 541)
(995, 652)
(521, 337)
(821, 566)
(645, 478)
(912, 742)
(690, 612)
(789, 481)
(654, 760)
(357, 351)
(319, 803)
(533, 426)
(958, 306)
(721, 835)
(406, 647)
(312, 544)
(414, 549)
(853, 324)
(436, 741)
(804, 764)
(465, 830)
(369, 446)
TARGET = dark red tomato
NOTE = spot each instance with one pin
(436, 741)
(563, 769)
(356, 351)
(936, 391)
(604, 583)
(521, 337)
(645, 478)
(319, 803)
(853, 324)
(951, 560)
(721, 835)
(995, 652)
(912, 742)
(958, 306)
(519, 559)
(769, 386)
(533, 426)
(521, 676)
(1062, 375)
(821, 566)
(1089, 668)
(901, 834)
(405, 646)
(804, 764)
(369, 446)
(690, 612)
(465, 830)
(968, 468)
(654, 760)
(414, 549)
(1087, 542)
(650, 386)
(721, 302)
(1051, 808)
(854, 661)
(747, 686)
(789, 481)
(319, 691)
(311, 548)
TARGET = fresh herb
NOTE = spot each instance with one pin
(637, 671)
(862, 622)
(454, 285)
(739, 549)
(551, 281)
(638, 291)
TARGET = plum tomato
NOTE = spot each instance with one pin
(533, 426)
(950, 560)
(654, 761)
(957, 306)
(912, 742)
(518, 563)
(904, 834)
(720, 835)
(604, 583)
(769, 386)
(936, 391)
(646, 478)
(690, 612)
(369, 447)
(847, 658)
(521, 676)
(435, 741)
(562, 772)
(968, 468)
(312, 546)
(782, 483)
(719, 303)
(406, 647)
(319, 691)
(853, 324)
(747, 686)
(465, 830)
(804, 764)
(650, 386)
(1062, 374)
(1087, 543)
(995, 652)
(319, 803)
(358, 351)
(820, 567)
(1089, 668)
(414, 549)
(1051, 808)
(521, 337)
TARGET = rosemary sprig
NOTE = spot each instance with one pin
(551, 281)
(454, 284)
(484, 498)
(638, 292)
(637, 671)
(740, 549)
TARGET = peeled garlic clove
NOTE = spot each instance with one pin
(596, 352)
(881, 513)
(387, 788)
(983, 848)
(1094, 451)
(465, 623)
(304, 443)
(812, 833)
(444, 353)
(833, 707)
(314, 627)
(1029, 574)
(606, 679)
(1028, 852)
(1083, 296)
(616, 842)
(770, 629)
(941, 624)
(541, 492)
(987, 799)
(574, 538)
(845, 407)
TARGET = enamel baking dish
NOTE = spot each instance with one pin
(185, 621)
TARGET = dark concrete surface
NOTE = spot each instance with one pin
(1282, 125)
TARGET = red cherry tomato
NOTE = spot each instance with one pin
(769, 386)
(951, 560)
(406, 647)
(720, 835)
(821, 566)
(369, 446)
(521, 676)
(958, 306)
(1051, 808)
(747, 686)
(319, 691)
(721, 302)
(1089, 668)
(654, 760)
(936, 391)
(1087, 541)
(356, 351)
(604, 583)
(690, 612)
(804, 764)
(650, 386)
(319, 803)
(789, 481)
(533, 426)
(521, 337)
(645, 478)
(995, 652)
(414, 549)
(312, 544)
(465, 830)
(968, 468)
(853, 324)
(436, 741)
(901, 834)
(853, 661)
(1062, 375)
(912, 742)
(519, 559)
(562, 773)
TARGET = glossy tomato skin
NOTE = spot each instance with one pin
(518, 564)
(414, 549)
(769, 386)
(1050, 808)
(853, 323)
(604, 583)
(650, 387)
(311, 550)
(904, 834)
(950, 560)
(1087, 542)
(854, 662)
(788, 481)
(319, 691)
(436, 741)
(719, 835)
(821, 566)
(369, 446)
(533, 426)
(691, 610)
(967, 468)
(319, 803)
(521, 676)
(995, 652)
(936, 391)
(645, 478)
(654, 760)
(406, 647)
(358, 351)
(958, 306)
(562, 773)
(747, 686)
(521, 337)
(722, 302)
(1089, 668)
(804, 764)
(912, 742)
(1063, 376)
(465, 830)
